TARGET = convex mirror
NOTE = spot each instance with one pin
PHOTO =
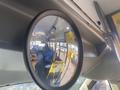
(54, 51)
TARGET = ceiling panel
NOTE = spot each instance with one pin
(109, 6)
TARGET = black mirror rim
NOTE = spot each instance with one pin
(80, 47)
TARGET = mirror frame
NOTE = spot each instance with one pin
(80, 49)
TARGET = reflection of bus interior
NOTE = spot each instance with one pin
(58, 54)
(62, 52)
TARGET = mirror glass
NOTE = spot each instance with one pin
(53, 51)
